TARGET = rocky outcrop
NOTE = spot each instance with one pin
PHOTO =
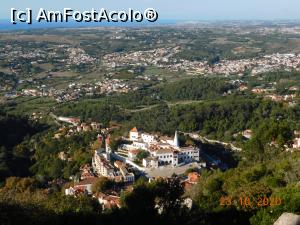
(288, 219)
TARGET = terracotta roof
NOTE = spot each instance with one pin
(111, 201)
(134, 129)
(193, 177)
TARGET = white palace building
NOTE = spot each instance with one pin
(162, 150)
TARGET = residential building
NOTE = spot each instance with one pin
(109, 201)
(82, 187)
(296, 144)
(133, 153)
(101, 165)
(134, 134)
(151, 162)
(147, 138)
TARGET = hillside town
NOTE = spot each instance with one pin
(31, 71)
(163, 58)
(163, 151)
(74, 91)
(188, 123)
(163, 154)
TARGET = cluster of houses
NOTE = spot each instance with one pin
(267, 93)
(74, 91)
(163, 57)
(257, 65)
(158, 56)
(294, 145)
(62, 54)
(65, 56)
(78, 56)
(76, 127)
(85, 186)
(111, 199)
(103, 165)
(281, 98)
(161, 150)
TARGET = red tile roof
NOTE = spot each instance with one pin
(193, 177)
(134, 129)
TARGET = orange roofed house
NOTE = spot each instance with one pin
(109, 201)
(84, 187)
(134, 134)
(192, 179)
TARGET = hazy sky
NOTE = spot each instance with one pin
(174, 9)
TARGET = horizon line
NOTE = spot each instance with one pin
(208, 19)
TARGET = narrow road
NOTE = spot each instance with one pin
(210, 141)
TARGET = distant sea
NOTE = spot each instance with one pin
(6, 25)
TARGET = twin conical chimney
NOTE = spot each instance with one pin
(176, 141)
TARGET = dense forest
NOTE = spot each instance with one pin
(217, 119)
(194, 89)
(15, 132)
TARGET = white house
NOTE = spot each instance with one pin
(189, 153)
(147, 138)
(109, 201)
(84, 186)
(133, 153)
(296, 143)
(134, 134)
(164, 156)
(150, 162)
(140, 145)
